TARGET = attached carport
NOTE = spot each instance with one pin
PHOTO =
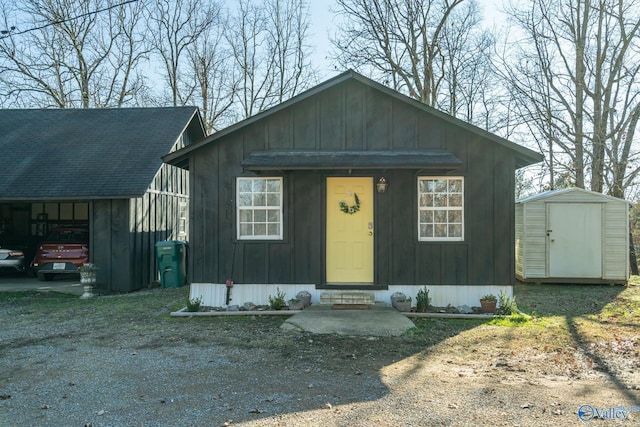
(99, 168)
(24, 223)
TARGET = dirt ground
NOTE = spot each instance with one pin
(121, 360)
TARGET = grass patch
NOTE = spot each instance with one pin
(514, 320)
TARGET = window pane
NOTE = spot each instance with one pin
(246, 229)
(455, 216)
(273, 186)
(244, 199)
(244, 185)
(455, 200)
(426, 216)
(246, 215)
(440, 216)
(455, 186)
(259, 215)
(455, 230)
(259, 185)
(440, 230)
(274, 229)
(273, 216)
(259, 199)
(426, 200)
(440, 200)
(426, 230)
(260, 229)
(441, 186)
(273, 199)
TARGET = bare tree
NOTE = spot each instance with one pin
(398, 40)
(216, 82)
(71, 53)
(269, 44)
(576, 74)
(468, 75)
(175, 26)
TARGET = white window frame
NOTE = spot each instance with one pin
(261, 203)
(183, 212)
(451, 203)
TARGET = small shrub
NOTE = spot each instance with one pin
(278, 302)
(489, 297)
(422, 300)
(507, 305)
(193, 305)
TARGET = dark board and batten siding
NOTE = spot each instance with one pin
(128, 230)
(353, 116)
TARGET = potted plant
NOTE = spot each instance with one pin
(488, 303)
(296, 304)
(403, 304)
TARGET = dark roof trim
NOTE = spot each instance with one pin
(317, 160)
(524, 156)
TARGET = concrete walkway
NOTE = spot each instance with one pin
(11, 282)
(379, 320)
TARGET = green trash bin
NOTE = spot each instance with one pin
(172, 263)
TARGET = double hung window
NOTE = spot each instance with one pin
(259, 208)
(440, 208)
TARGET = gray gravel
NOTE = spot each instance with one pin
(122, 361)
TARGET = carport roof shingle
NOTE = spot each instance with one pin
(86, 153)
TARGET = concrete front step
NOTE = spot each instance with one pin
(347, 297)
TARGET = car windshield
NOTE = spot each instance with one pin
(68, 236)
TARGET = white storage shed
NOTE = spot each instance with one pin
(572, 236)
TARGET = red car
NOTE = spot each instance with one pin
(62, 252)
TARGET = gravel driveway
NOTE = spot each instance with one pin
(122, 361)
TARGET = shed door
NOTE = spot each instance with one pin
(574, 239)
(349, 242)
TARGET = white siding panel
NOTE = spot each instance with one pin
(535, 240)
(520, 243)
(214, 294)
(616, 241)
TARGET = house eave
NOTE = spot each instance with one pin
(365, 160)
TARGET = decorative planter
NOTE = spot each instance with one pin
(88, 279)
(488, 306)
(404, 306)
(305, 297)
(297, 305)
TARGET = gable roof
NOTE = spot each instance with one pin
(523, 155)
(87, 153)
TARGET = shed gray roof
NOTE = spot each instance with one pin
(87, 153)
(562, 193)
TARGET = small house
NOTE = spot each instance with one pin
(572, 236)
(351, 186)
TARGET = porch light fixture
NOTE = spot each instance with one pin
(381, 185)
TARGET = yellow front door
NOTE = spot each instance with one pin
(350, 233)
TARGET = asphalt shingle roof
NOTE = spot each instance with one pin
(86, 153)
